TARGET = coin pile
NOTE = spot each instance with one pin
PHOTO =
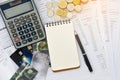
(64, 8)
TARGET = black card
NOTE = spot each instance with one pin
(22, 56)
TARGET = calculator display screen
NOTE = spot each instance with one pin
(19, 9)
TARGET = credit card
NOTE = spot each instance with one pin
(22, 56)
(25, 73)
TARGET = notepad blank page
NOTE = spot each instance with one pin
(62, 47)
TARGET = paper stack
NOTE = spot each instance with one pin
(98, 28)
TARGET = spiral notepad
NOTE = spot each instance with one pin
(62, 45)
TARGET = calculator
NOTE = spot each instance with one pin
(23, 22)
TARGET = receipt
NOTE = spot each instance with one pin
(7, 66)
(5, 41)
(86, 21)
(90, 26)
(114, 13)
(103, 23)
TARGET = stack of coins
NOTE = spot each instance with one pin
(64, 8)
(50, 11)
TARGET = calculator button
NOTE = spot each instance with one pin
(36, 22)
(40, 33)
(37, 27)
(30, 24)
(28, 35)
(30, 40)
(33, 33)
(24, 19)
(32, 29)
(15, 35)
(34, 17)
(21, 18)
(25, 27)
(10, 23)
(21, 33)
(16, 20)
(19, 28)
(18, 44)
(28, 20)
(35, 37)
(33, 14)
(23, 22)
(16, 39)
(27, 16)
(17, 24)
(24, 41)
(11, 26)
(13, 30)
(26, 30)
(22, 37)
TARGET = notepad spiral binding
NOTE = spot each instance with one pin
(58, 23)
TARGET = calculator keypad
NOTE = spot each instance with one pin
(25, 30)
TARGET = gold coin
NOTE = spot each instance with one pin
(55, 4)
(57, 18)
(69, 15)
(62, 13)
(50, 13)
(78, 8)
(55, 9)
(70, 7)
(69, 1)
(84, 1)
(59, 11)
(49, 5)
(63, 4)
(76, 2)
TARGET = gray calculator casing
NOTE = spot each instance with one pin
(32, 14)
